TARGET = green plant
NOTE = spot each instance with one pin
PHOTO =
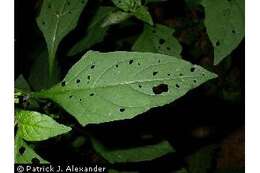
(118, 85)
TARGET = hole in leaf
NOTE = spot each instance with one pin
(155, 73)
(68, 2)
(78, 80)
(63, 83)
(177, 86)
(131, 61)
(92, 94)
(43, 23)
(140, 86)
(70, 96)
(117, 66)
(159, 89)
(93, 66)
(122, 109)
(203, 74)
(192, 69)
(217, 43)
(69, 12)
(195, 81)
(159, 61)
(161, 41)
(169, 74)
(21, 150)
(88, 77)
(35, 161)
(80, 100)
(138, 63)
(233, 31)
(180, 74)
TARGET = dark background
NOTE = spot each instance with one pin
(211, 114)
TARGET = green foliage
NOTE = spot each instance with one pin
(135, 8)
(56, 19)
(95, 32)
(201, 161)
(158, 39)
(124, 84)
(24, 153)
(34, 126)
(39, 78)
(137, 154)
(227, 32)
(115, 18)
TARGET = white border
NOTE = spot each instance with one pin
(252, 86)
(6, 86)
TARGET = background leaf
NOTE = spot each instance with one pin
(115, 18)
(137, 154)
(228, 31)
(39, 78)
(158, 39)
(135, 8)
(34, 126)
(201, 161)
(95, 33)
(24, 154)
(105, 87)
(56, 19)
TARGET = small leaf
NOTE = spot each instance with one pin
(115, 18)
(158, 39)
(105, 87)
(143, 14)
(135, 8)
(24, 154)
(95, 33)
(228, 31)
(128, 5)
(34, 126)
(22, 84)
(137, 154)
(57, 18)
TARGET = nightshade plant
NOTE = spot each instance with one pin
(110, 86)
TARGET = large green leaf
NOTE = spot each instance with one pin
(24, 154)
(137, 154)
(105, 87)
(225, 25)
(136, 8)
(56, 19)
(95, 33)
(158, 39)
(34, 126)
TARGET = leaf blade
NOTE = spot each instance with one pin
(228, 32)
(137, 154)
(34, 126)
(123, 84)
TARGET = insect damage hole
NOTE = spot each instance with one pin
(161, 41)
(63, 83)
(155, 73)
(35, 161)
(78, 81)
(217, 43)
(131, 61)
(21, 150)
(159, 89)
(192, 69)
(122, 109)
